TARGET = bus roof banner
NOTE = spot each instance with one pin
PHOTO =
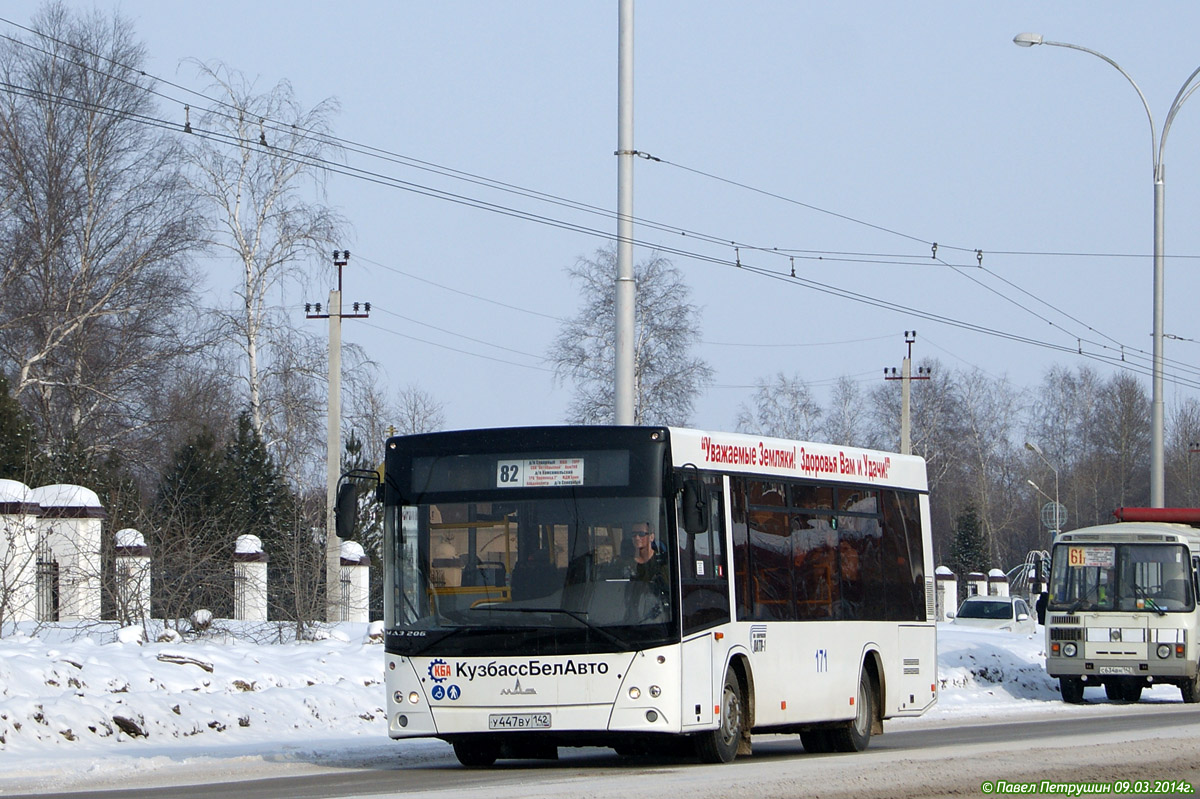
(1176, 515)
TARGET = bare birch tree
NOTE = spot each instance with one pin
(783, 407)
(258, 160)
(96, 229)
(667, 376)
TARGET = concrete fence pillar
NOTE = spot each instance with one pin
(355, 574)
(946, 593)
(997, 583)
(249, 579)
(69, 529)
(18, 553)
(132, 571)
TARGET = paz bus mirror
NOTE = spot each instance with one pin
(695, 506)
(345, 510)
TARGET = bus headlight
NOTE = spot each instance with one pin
(635, 692)
(1164, 651)
(414, 697)
(1070, 650)
(655, 691)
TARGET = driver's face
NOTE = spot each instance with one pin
(643, 540)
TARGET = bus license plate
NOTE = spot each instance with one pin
(518, 721)
(1116, 669)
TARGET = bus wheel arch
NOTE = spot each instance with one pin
(873, 666)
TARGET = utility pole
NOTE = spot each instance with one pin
(906, 377)
(624, 389)
(333, 549)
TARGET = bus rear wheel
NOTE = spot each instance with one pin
(856, 734)
(721, 745)
(1071, 689)
(476, 752)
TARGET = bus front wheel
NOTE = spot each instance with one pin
(721, 745)
(1071, 689)
(1191, 689)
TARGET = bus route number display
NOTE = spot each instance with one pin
(1101, 557)
(539, 473)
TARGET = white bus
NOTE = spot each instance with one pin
(1122, 607)
(652, 589)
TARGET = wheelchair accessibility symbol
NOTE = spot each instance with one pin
(438, 692)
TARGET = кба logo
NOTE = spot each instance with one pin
(439, 670)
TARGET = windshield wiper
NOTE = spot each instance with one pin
(577, 616)
(1150, 603)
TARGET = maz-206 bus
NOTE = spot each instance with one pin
(651, 589)
(1122, 607)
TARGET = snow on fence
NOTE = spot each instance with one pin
(51, 569)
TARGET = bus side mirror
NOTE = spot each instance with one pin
(695, 506)
(345, 510)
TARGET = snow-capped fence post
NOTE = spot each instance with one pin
(356, 568)
(946, 593)
(132, 568)
(977, 584)
(997, 583)
(18, 545)
(249, 579)
(69, 527)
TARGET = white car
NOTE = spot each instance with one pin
(1007, 613)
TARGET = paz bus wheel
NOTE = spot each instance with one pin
(476, 752)
(856, 734)
(1191, 689)
(721, 745)
(1071, 689)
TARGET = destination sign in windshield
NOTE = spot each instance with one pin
(539, 473)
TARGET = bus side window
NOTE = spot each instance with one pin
(703, 571)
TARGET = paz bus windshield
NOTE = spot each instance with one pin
(1134, 577)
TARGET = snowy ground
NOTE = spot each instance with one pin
(86, 709)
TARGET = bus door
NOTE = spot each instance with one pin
(704, 580)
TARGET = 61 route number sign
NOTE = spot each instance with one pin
(1101, 557)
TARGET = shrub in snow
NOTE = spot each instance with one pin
(169, 637)
(201, 620)
(132, 635)
(375, 633)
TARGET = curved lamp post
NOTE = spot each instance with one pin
(1156, 152)
(1036, 450)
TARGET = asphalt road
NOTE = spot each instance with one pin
(1116, 743)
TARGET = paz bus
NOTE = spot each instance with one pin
(1122, 606)
(650, 589)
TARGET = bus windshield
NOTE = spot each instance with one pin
(1133, 577)
(536, 575)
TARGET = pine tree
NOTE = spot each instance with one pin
(18, 447)
(969, 552)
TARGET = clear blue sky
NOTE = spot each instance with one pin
(882, 127)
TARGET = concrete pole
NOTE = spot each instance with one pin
(333, 548)
(1157, 491)
(624, 388)
(905, 425)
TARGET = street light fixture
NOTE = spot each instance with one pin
(1036, 450)
(1157, 497)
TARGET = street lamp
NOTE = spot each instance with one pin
(1157, 499)
(1036, 450)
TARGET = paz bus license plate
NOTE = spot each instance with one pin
(1116, 669)
(518, 721)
